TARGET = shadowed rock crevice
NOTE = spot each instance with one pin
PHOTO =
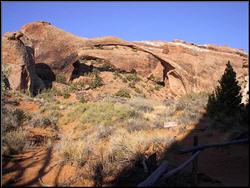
(80, 69)
(45, 73)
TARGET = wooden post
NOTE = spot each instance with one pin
(195, 163)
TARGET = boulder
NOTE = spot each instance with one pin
(20, 61)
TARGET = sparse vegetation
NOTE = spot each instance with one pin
(123, 93)
(60, 78)
(12, 120)
(141, 104)
(116, 75)
(77, 154)
(15, 141)
(15, 137)
(151, 77)
(132, 77)
(96, 82)
(105, 113)
(158, 87)
(137, 90)
(45, 121)
(189, 107)
(82, 99)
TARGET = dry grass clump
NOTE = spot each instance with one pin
(189, 107)
(44, 121)
(12, 119)
(73, 151)
(114, 147)
(15, 138)
(142, 104)
(127, 146)
(15, 142)
(136, 124)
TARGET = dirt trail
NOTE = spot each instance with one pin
(228, 165)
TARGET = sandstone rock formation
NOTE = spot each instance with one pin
(183, 67)
(20, 60)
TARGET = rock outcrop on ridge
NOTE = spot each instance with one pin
(181, 66)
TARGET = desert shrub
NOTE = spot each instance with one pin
(142, 104)
(73, 87)
(137, 90)
(105, 113)
(151, 77)
(5, 85)
(95, 72)
(116, 75)
(60, 78)
(47, 95)
(96, 82)
(49, 121)
(73, 151)
(107, 66)
(136, 124)
(66, 95)
(15, 142)
(123, 93)
(75, 112)
(82, 99)
(158, 87)
(132, 85)
(132, 77)
(190, 107)
(188, 117)
(12, 119)
(105, 131)
(192, 101)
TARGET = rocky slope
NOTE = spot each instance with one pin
(180, 66)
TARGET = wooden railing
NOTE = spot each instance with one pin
(162, 172)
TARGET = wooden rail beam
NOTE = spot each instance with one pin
(155, 175)
(202, 147)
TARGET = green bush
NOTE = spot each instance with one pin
(105, 113)
(116, 75)
(132, 77)
(66, 95)
(123, 93)
(96, 82)
(60, 78)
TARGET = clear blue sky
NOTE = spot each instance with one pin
(222, 23)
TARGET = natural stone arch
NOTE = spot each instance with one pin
(176, 83)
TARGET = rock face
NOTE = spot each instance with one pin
(183, 67)
(20, 60)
